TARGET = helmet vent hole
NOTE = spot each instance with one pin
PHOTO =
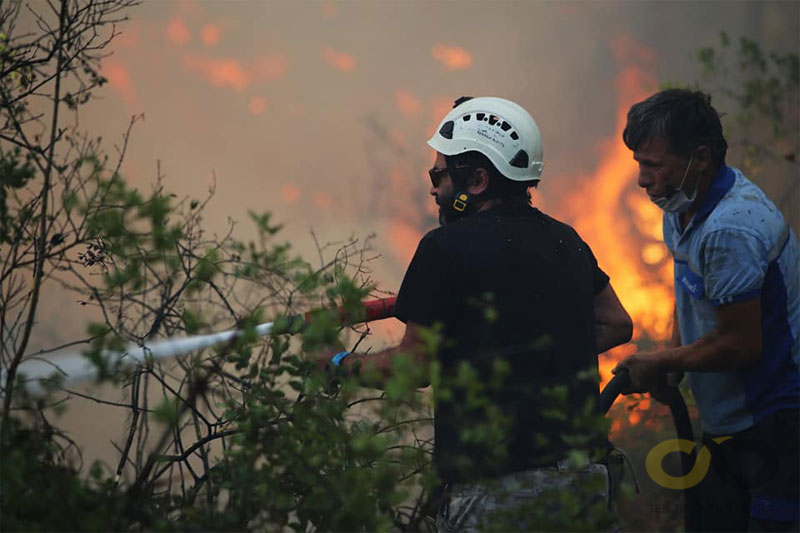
(506, 126)
(514, 135)
(447, 130)
(480, 116)
(520, 160)
(466, 118)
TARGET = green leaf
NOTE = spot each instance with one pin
(262, 223)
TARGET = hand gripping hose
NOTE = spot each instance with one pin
(683, 428)
(74, 367)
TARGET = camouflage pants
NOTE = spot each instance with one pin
(542, 499)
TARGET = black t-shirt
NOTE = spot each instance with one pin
(513, 290)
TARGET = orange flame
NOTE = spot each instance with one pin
(452, 57)
(210, 35)
(178, 32)
(219, 72)
(339, 60)
(290, 194)
(623, 227)
(120, 79)
(233, 74)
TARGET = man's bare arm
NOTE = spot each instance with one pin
(613, 325)
(734, 344)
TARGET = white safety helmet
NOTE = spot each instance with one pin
(499, 129)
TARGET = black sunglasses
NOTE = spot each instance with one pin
(436, 175)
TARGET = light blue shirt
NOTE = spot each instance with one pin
(737, 247)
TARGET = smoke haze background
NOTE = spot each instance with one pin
(319, 112)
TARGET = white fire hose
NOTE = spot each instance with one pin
(74, 367)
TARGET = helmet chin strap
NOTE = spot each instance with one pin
(461, 204)
(455, 207)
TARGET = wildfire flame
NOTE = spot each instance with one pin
(622, 226)
(624, 230)
(178, 32)
(210, 35)
(452, 57)
(339, 60)
(119, 78)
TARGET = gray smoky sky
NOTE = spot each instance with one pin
(318, 111)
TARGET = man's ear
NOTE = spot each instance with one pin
(478, 182)
(703, 159)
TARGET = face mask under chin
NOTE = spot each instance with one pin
(678, 201)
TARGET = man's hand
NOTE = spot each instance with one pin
(646, 370)
(323, 358)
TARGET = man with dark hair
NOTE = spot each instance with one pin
(522, 306)
(737, 312)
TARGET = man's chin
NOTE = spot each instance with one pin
(445, 215)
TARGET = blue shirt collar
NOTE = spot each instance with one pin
(720, 185)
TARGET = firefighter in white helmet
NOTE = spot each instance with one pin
(481, 129)
(520, 305)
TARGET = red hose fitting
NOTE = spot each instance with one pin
(374, 310)
(380, 309)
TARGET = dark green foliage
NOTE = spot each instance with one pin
(41, 491)
(300, 463)
(763, 89)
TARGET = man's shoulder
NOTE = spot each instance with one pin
(556, 223)
(745, 208)
(545, 222)
(437, 234)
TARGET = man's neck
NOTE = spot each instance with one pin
(702, 191)
(488, 204)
